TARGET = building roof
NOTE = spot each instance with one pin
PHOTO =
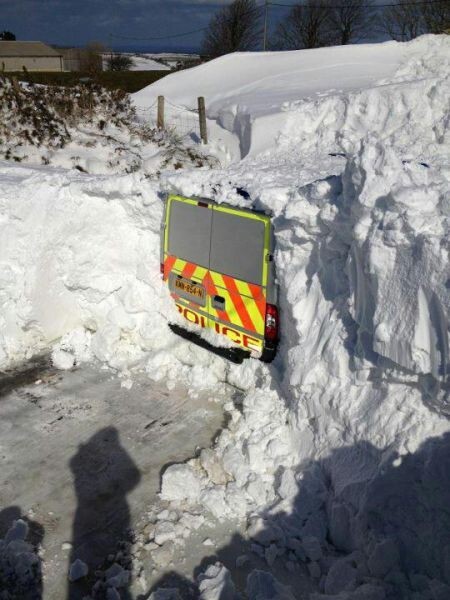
(11, 49)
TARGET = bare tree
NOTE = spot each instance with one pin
(351, 21)
(404, 21)
(236, 27)
(119, 62)
(306, 26)
(436, 16)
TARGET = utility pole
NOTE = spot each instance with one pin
(266, 11)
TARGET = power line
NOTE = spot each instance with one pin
(256, 10)
(163, 37)
(268, 3)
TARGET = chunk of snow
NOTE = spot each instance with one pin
(270, 554)
(62, 359)
(78, 570)
(126, 384)
(288, 485)
(180, 482)
(216, 583)
(208, 542)
(116, 576)
(164, 532)
(17, 532)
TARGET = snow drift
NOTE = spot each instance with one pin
(352, 417)
(323, 99)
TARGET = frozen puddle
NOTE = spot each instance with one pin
(81, 456)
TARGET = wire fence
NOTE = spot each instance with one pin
(182, 121)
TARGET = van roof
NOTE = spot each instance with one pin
(227, 204)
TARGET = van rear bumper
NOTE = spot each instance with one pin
(269, 351)
(234, 355)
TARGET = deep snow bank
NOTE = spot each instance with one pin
(321, 100)
(80, 268)
(71, 245)
(347, 424)
(398, 267)
(266, 80)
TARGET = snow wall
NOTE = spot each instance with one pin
(339, 450)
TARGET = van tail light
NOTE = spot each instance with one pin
(161, 268)
(272, 323)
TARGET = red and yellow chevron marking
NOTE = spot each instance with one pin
(245, 302)
(211, 290)
(242, 308)
(168, 266)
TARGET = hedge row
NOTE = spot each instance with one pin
(128, 81)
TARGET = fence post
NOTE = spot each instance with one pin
(160, 118)
(202, 119)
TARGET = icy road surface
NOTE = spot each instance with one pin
(80, 456)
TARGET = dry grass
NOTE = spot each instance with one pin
(127, 81)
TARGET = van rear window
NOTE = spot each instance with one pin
(237, 246)
(189, 232)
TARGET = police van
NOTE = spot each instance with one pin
(217, 260)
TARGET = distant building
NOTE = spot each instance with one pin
(34, 56)
(82, 59)
(72, 58)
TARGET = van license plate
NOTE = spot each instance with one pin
(190, 288)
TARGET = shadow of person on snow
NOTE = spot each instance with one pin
(365, 522)
(104, 474)
(20, 564)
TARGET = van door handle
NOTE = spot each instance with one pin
(218, 302)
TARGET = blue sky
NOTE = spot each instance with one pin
(77, 22)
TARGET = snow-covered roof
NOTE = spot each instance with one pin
(27, 49)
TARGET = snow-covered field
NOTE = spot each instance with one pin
(147, 62)
(337, 455)
(160, 61)
(140, 62)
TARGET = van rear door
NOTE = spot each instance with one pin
(186, 255)
(238, 269)
(215, 261)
